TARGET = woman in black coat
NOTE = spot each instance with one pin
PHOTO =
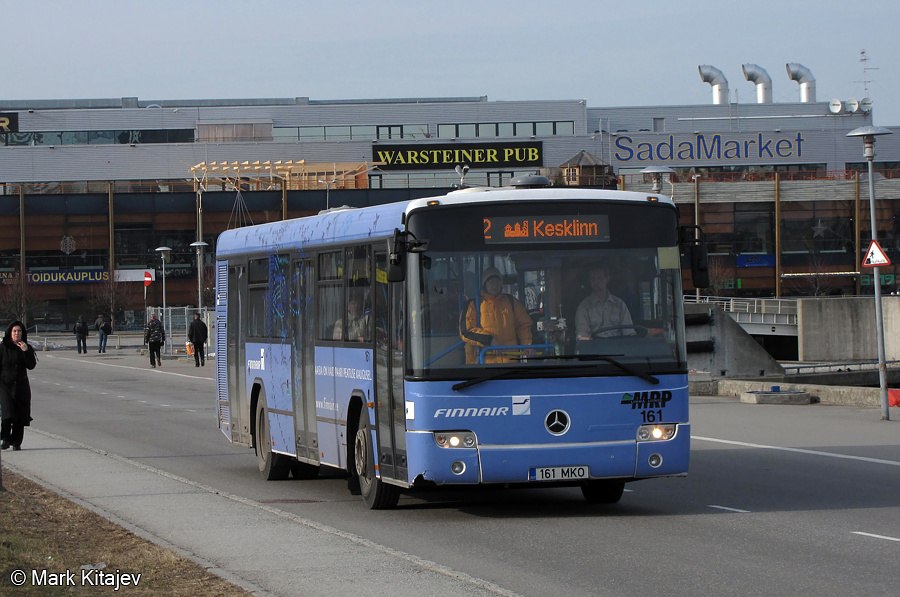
(16, 358)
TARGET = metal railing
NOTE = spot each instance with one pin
(834, 367)
(50, 341)
(770, 306)
(380, 179)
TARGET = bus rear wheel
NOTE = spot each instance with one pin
(272, 466)
(603, 492)
(376, 494)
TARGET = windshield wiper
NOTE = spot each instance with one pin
(608, 358)
(477, 380)
(498, 374)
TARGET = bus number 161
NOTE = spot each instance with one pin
(652, 416)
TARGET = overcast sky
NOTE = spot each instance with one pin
(608, 53)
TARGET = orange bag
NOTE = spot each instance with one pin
(189, 347)
(893, 397)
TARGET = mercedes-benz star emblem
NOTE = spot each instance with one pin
(557, 422)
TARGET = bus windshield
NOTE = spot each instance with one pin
(558, 305)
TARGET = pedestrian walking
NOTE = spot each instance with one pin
(155, 337)
(104, 329)
(198, 333)
(16, 358)
(80, 329)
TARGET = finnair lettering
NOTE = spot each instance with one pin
(487, 411)
(259, 365)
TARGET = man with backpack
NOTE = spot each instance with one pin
(104, 328)
(81, 333)
(155, 337)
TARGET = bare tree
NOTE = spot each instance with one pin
(721, 276)
(209, 287)
(16, 297)
(107, 296)
(816, 282)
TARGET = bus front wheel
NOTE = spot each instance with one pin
(272, 466)
(376, 494)
(603, 492)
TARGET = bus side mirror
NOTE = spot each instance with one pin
(396, 265)
(699, 266)
(691, 237)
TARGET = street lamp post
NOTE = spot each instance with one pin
(656, 172)
(868, 134)
(199, 244)
(327, 184)
(163, 252)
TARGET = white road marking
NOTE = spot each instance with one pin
(135, 368)
(886, 538)
(797, 450)
(729, 509)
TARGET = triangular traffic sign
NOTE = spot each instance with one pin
(875, 256)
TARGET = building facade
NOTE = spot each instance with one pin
(91, 188)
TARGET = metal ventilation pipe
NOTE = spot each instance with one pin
(758, 75)
(801, 74)
(713, 76)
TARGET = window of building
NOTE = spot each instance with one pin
(659, 125)
(101, 137)
(286, 134)
(312, 133)
(524, 129)
(234, 132)
(390, 131)
(566, 127)
(544, 129)
(754, 230)
(337, 133)
(466, 131)
(364, 132)
(487, 129)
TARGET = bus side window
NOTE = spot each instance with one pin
(356, 320)
(330, 293)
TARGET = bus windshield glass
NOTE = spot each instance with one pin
(544, 288)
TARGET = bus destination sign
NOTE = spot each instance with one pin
(546, 229)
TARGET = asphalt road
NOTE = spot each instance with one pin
(780, 500)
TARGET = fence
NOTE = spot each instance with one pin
(176, 321)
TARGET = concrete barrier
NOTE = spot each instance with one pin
(828, 395)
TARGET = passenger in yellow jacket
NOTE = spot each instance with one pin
(503, 321)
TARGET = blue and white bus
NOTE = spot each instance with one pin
(342, 343)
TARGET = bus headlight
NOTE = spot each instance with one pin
(455, 439)
(656, 433)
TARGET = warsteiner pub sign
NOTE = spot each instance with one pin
(446, 156)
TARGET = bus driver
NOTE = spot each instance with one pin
(601, 309)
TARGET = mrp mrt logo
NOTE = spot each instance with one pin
(641, 400)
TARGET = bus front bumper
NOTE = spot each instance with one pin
(519, 463)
